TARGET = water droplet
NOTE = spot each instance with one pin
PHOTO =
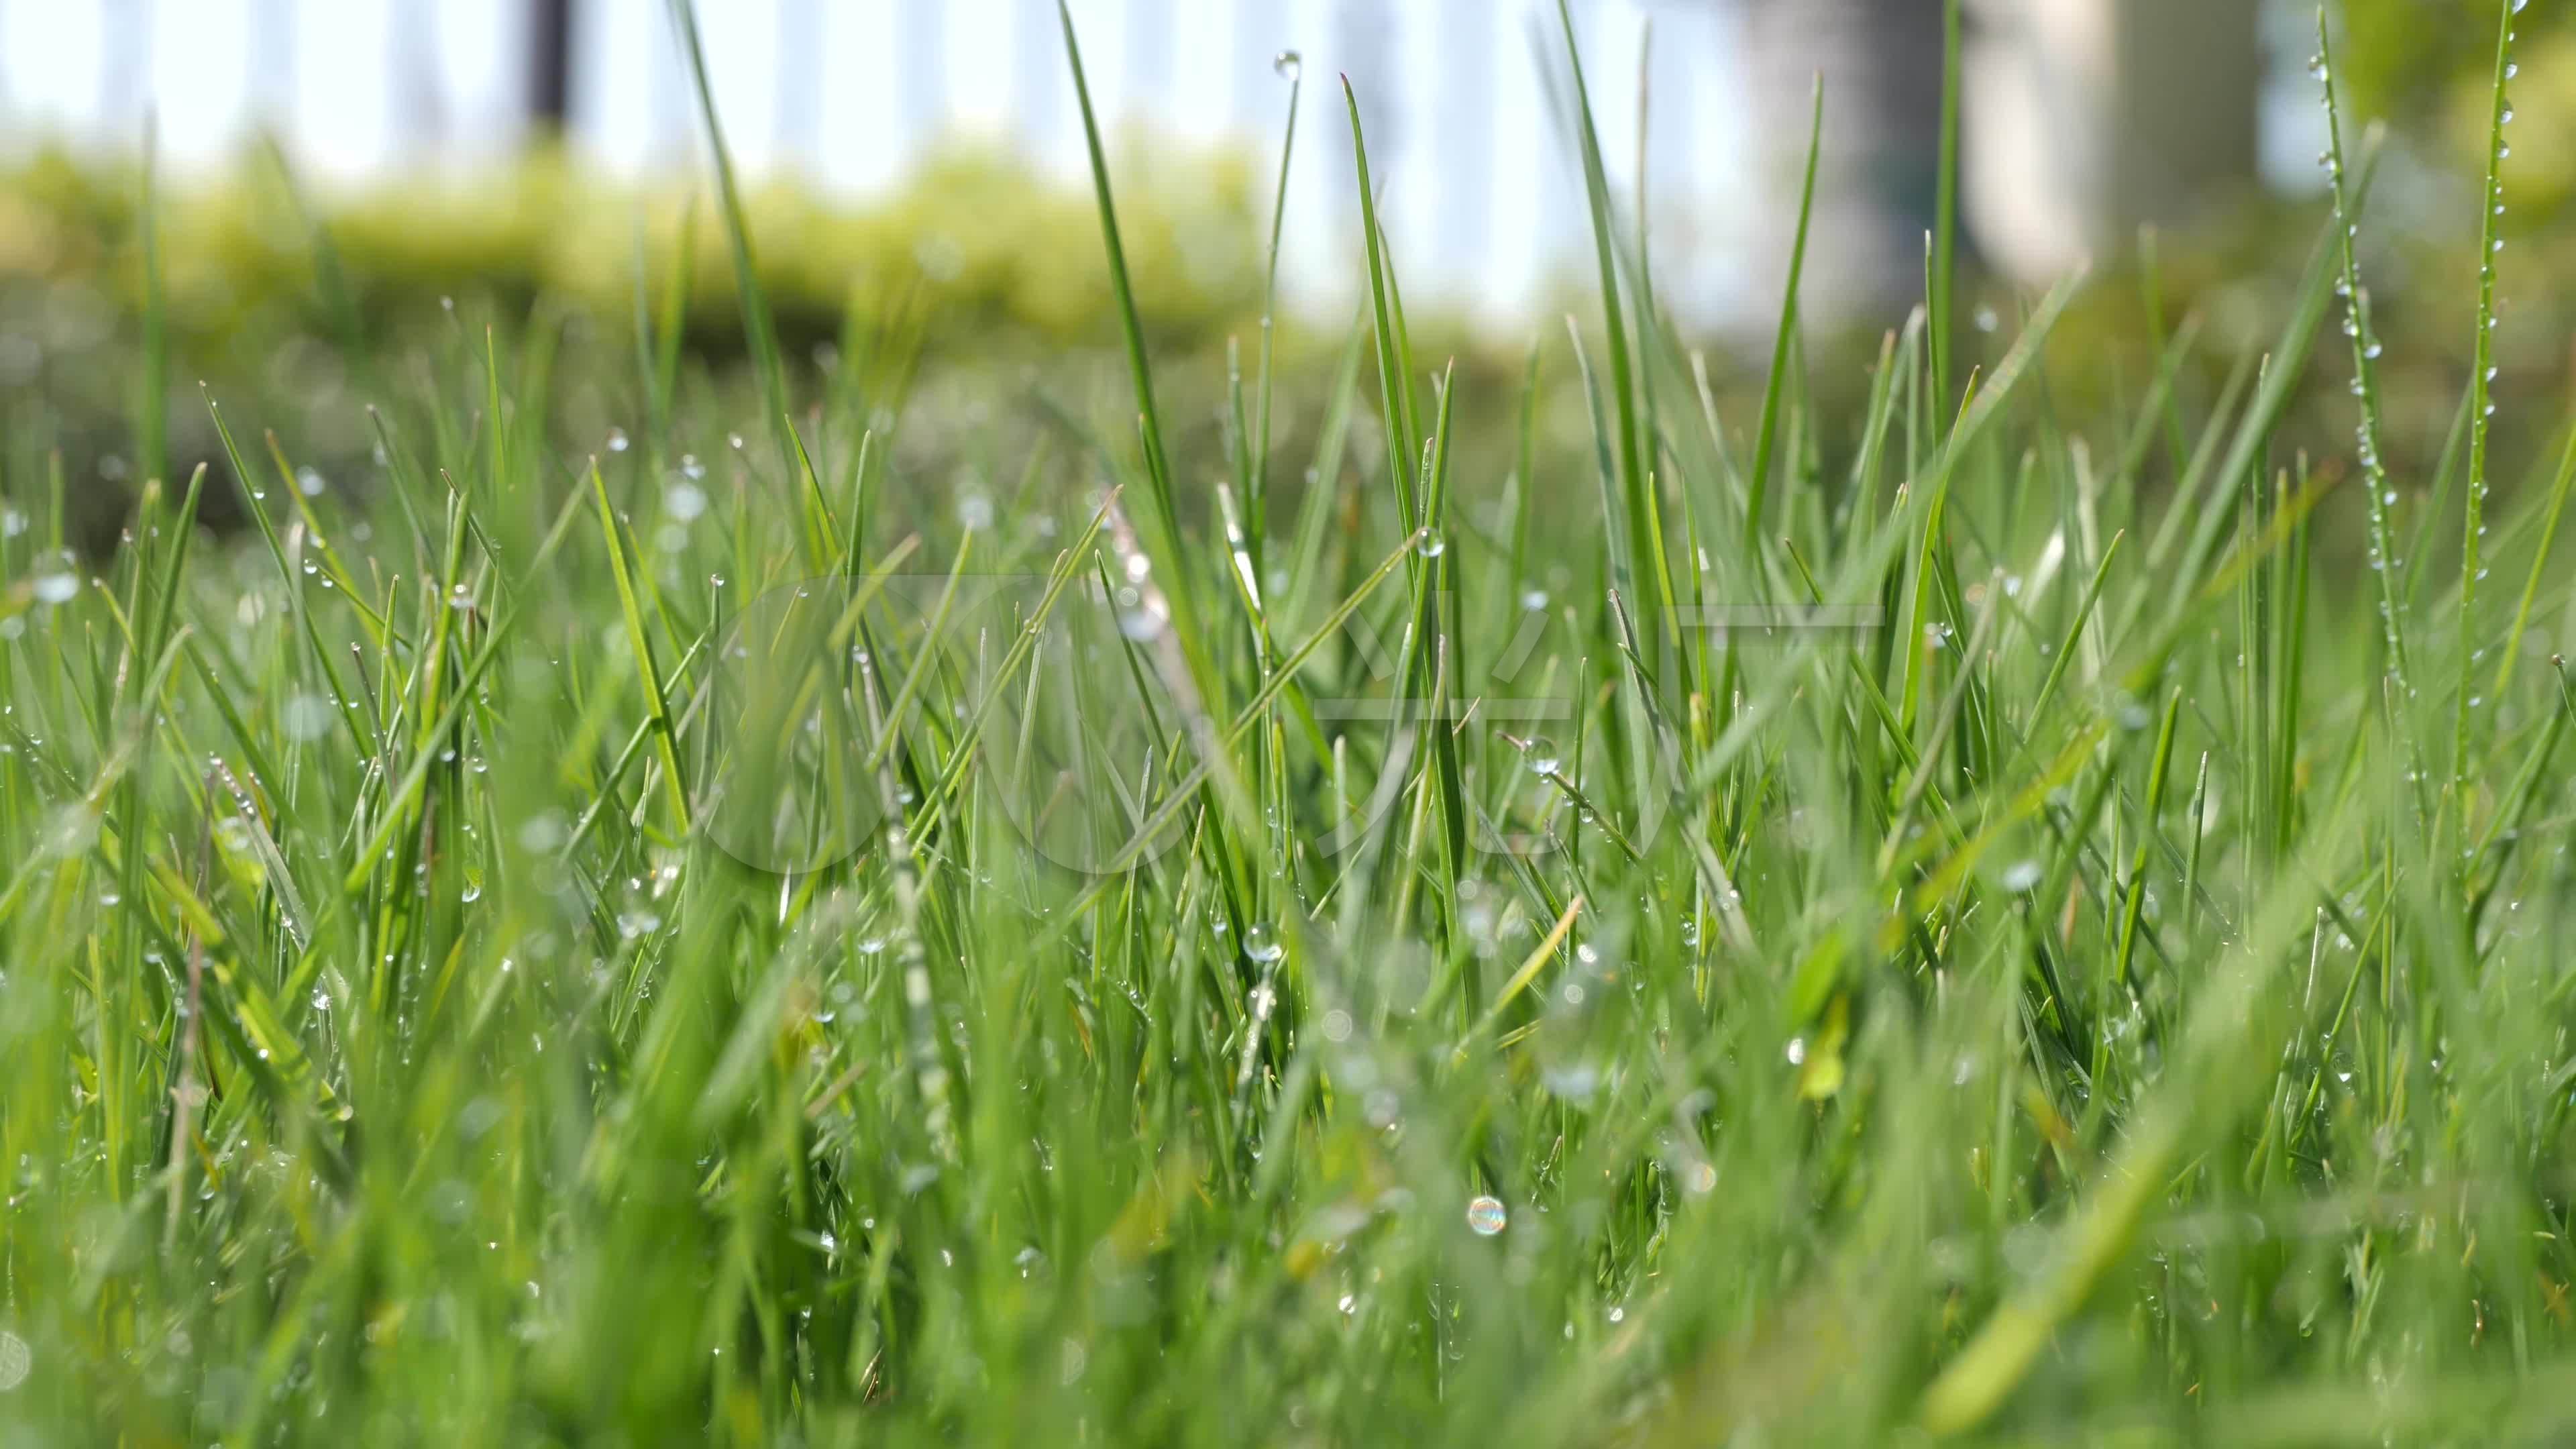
(2021, 875)
(1260, 946)
(1288, 65)
(1432, 545)
(1486, 1216)
(1543, 757)
(56, 588)
(617, 440)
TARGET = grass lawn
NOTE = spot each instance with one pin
(1955, 920)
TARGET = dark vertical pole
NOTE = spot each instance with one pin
(549, 65)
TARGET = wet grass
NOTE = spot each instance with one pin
(693, 935)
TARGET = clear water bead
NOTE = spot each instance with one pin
(1262, 947)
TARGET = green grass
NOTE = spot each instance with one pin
(1968, 921)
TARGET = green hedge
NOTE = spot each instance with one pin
(981, 241)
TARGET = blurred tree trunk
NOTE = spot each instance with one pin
(2081, 121)
(1879, 161)
(2088, 119)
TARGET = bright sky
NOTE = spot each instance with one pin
(1480, 195)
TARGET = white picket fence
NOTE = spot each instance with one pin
(1481, 193)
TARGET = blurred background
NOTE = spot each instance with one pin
(2085, 117)
(919, 174)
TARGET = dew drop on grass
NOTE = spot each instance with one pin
(1260, 946)
(1288, 65)
(1543, 757)
(1486, 1216)
(2021, 875)
(1432, 545)
(56, 588)
(617, 440)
